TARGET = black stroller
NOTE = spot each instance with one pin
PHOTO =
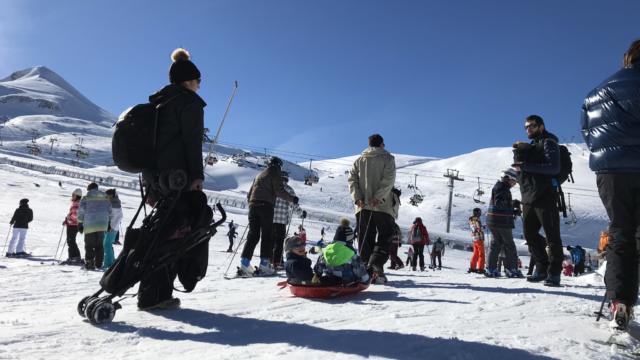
(159, 244)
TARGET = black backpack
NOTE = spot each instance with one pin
(133, 146)
(566, 166)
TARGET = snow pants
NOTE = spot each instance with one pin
(16, 244)
(436, 255)
(72, 247)
(107, 244)
(396, 263)
(278, 234)
(502, 238)
(543, 213)
(418, 253)
(94, 254)
(260, 225)
(375, 231)
(620, 195)
(477, 259)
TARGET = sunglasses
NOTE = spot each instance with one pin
(530, 126)
(198, 81)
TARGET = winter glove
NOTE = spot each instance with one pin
(295, 200)
(80, 228)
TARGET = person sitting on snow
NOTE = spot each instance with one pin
(339, 264)
(297, 265)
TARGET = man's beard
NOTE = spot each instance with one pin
(533, 135)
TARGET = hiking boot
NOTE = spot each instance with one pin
(492, 273)
(552, 280)
(513, 273)
(169, 304)
(537, 277)
(620, 315)
(413, 268)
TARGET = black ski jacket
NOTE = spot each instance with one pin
(22, 217)
(180, 130)
(500, 214)
(542, 165)
(611, 123)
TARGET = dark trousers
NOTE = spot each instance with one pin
(544, 214)
(620, 195)
(393, 256)
(436, 255)
(72, 232)
(418, 252)
(260, 224)
(230, 242)
(278, 234)
(94, 252)
(374, 251)
(502, 238)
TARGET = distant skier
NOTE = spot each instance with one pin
(112, 230)
(437, 251)
(20, 221)
(578, 257)
(418, 238)
(71, 222)
(93, 220)
(232, 234)
(477, 232)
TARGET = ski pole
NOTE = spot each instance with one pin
(366, 229)
(7, 239)
(236, 251)
(55, 256)
(599, 313)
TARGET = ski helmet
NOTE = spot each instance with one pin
(77, 192)
(275, 162)
(510, 173)
(477, 212)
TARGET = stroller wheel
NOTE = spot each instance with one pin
(82, 305)
(88, 310)
(103, 312)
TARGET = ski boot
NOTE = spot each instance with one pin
(471, 271)
(245, 271)
(621, 315)
(513, 273)
(10, 255)
(377, 275)
(492, 273)
(552, 280)
(265, 270)
(537, 277)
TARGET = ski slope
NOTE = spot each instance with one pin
(444, 314)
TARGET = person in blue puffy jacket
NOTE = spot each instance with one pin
(611, 129)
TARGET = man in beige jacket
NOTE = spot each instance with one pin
(370, 182)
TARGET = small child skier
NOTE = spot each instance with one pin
(297, 265)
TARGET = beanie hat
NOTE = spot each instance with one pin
(293, 242)
(510, 173)
(344, 234)
(24, 201)
(182, 68)
(77, 192)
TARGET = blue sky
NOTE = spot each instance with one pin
(434, 78)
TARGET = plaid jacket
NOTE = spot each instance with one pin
(282, 209)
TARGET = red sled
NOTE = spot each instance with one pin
(322, 292)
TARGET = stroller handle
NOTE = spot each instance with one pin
(222, 219)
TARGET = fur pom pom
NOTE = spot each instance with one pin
(180, 54)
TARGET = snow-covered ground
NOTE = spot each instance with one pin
(444, 314)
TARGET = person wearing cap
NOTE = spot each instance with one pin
(298, 265)
(500, 220)
(266, 187)
(94, 214)
(180, 125)
(282, 212)
(611, 129)
(371, 179)
(71, 222)
(20, 221)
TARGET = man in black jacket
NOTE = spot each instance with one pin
(538, 164)
(179, 162)
(20, 221)
(611, 130)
